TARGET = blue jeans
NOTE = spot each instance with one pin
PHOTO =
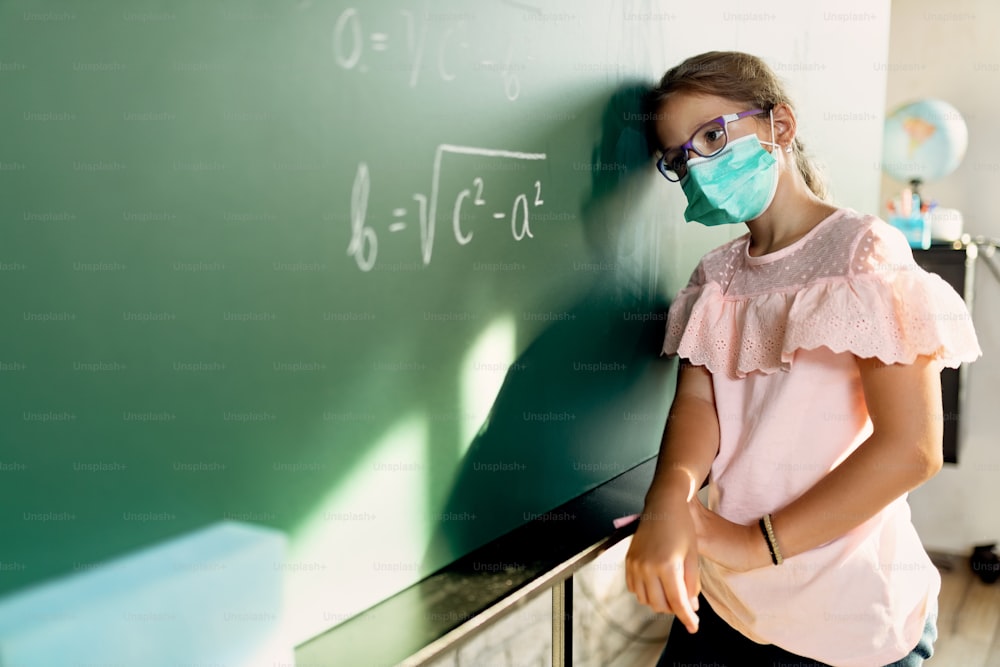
(716, 643)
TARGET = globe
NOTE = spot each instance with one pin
(924, 140)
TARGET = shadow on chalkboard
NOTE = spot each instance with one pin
(588, 397)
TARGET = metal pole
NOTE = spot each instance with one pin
(562, 623)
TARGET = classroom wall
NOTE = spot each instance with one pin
(950, 51)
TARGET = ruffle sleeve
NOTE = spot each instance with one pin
(884, 306)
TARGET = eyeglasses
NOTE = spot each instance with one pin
(706, 141)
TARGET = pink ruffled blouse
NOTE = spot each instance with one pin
(780, 333)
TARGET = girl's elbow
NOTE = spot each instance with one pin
(922, 446)
(916, 457)
(937, 462)
(929, 459)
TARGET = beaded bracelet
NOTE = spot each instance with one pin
(772, 543)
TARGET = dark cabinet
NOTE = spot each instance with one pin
(955, 262)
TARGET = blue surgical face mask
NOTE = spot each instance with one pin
(736, 185)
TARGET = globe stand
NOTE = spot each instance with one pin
(908, 216)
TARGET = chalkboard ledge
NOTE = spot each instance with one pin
(453, 604)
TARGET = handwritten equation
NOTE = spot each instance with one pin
(354, 47)
(363, 246)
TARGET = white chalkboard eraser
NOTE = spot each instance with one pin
(210, 597)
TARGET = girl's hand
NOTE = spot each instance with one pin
(731, 545)
(661, 567)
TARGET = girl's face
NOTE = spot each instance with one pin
(684, 113)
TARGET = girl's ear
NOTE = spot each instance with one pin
(784, 124)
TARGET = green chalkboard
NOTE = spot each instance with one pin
(388, 278)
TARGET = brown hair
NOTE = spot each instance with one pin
(740, 77)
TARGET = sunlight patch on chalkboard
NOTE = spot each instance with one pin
(362, 542)
(483, 371)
